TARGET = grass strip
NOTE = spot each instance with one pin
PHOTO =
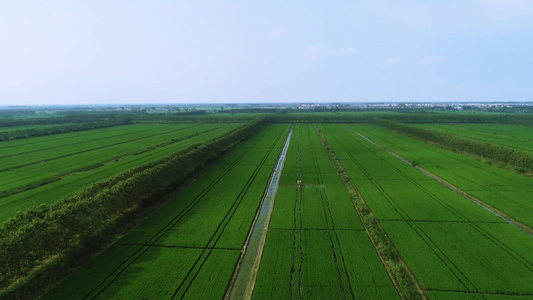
(404, 280)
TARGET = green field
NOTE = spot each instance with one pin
(188, 248)
(321, 239)
(454, 247)
(316, 246)
(506, 191)
(42, 170)
(515, 137)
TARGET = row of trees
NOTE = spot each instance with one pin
(75, 227)
(314, 116)
(33, 132)
(454, 117)
(519, 161)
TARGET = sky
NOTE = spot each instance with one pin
(211, 51)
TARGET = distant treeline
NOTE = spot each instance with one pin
(67, 119)
(33, 132)
(323, 117)
(253, 111)
(204, 118)
(405, 117)
(190, 113)
(519, 161)
(455, 117)
(46, 242)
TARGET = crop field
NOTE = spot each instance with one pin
(316, 246)
(188, 248)
(42, 170)
(417, 218)
(503, 190)
(454, 247)
(516, 137)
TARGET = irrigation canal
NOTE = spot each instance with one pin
(243, 281)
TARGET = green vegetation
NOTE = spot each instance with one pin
(78, 225)
(43, 170)
(197, 236)
(503, 190)
(519, 161)
(448, 242)
(423, 210)
(316, 246)
(518, 138)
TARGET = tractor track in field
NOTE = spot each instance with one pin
(450, 265)
(477, 201)
(527, 264)
(333, 237)
(425, 237)
(405, 217)
(452, 187)
(388, 263)
(110, 278)
(297, 227)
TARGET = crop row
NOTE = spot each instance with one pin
(501, 189)
(316, 246)
(450, 244)
(189, 247)
(67, 185)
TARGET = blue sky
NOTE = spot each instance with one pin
(80, 52)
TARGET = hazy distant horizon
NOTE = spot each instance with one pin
(118, 52)
(207, 104)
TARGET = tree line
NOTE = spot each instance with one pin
(367, 116)
(516, 160)
(42, 244)
(34, 132)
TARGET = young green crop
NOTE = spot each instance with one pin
(191, 245)
(501, 189)
(450, 243)
(68, 185)
(314, 223)
(516, 137)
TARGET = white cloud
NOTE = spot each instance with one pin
(415, 16)
(391, 61)
(507, 12)
(313, 53)
(310, 53)
(433, 60)
(277, 33)
(344, 51)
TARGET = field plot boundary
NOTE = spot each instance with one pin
(452, 187)
(253, 269)
(403, 278)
